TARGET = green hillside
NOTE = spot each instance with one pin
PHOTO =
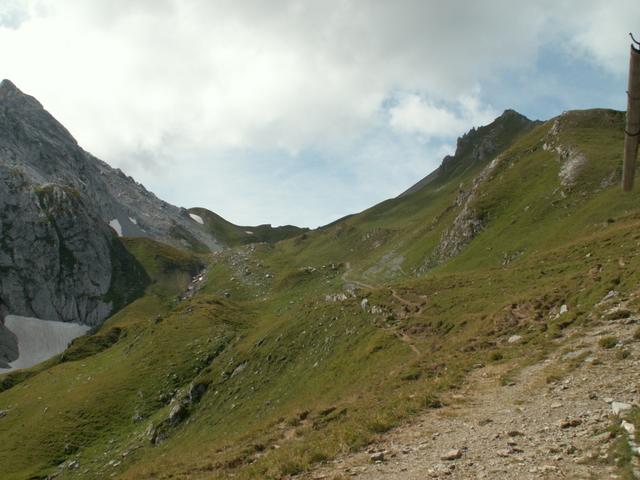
(290, 352)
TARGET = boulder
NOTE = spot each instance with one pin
(197, 390)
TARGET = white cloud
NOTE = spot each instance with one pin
(600, 31)
(155, 86)
(129, 75)
(12, 13)
(415, 114)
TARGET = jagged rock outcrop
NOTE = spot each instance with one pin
(478, 146)
(8, 347)
(34, 142)
(468, 223)
(60, 209)
(572, 161)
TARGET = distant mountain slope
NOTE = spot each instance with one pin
(233, 235)
(397, 236)
(34, 142)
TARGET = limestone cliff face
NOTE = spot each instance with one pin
(55, 255)
(58, 260)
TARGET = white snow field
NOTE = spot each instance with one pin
(196, 218)
(115, 224)
(39, 340)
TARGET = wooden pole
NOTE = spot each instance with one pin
(632, 130)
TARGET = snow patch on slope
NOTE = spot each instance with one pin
(39, 340)
(196, 218)
(115, 224)
(133, 220)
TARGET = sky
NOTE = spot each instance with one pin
(300, 112)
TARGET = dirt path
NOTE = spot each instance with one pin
(403, 337)
(413, 307)
(346, 273)
(532, 428)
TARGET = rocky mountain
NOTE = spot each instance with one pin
(35, 143)
(59, 260)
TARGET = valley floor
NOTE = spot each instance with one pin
(551, 419)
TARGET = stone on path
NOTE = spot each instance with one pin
(377, 457)
(620, 407)
(453, 454)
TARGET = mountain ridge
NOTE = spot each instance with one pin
(478, 144)
(33, 140)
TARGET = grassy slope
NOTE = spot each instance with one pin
(293, 379)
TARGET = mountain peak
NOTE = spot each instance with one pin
(7, 84)
(478, 145)
(510, 115)
(24, 113)
(12, 96)
(479, 138)
(8, 88)
(509, 112)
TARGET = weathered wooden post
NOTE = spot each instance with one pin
(632, 130)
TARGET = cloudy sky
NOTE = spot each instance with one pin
(303, 111)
